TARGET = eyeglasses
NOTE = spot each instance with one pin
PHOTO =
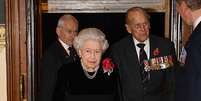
(89, 52)
(140, 25)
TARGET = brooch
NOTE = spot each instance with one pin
(107, 66)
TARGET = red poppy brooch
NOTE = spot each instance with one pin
(108, 65)
(156, 52)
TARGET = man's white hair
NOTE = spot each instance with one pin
(65, 17)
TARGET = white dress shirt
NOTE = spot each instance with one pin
(146, 47)
(65, 46)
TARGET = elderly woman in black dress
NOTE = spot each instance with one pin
(90, 78)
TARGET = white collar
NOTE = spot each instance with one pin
(66, 46)
(145, 42)
(196, 22)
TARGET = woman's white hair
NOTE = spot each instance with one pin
(90, 34)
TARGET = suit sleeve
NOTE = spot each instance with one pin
(170, 76)
(60, 89)
(113, 54)
(47, 77)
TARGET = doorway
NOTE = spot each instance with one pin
(112, 24)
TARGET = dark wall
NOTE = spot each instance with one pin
(112, 24)
(2, 15)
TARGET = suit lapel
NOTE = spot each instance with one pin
(153, 46)
(132, 64)
(133, 53)
(62, 53)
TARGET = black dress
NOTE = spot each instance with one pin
(73, 85)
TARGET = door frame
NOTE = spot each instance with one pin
(16, 49)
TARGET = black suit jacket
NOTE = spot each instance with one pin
(54, 57)
(161, 85)
(189, 82)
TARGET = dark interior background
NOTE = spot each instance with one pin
(112, 24)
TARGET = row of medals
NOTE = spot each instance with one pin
(158, 63)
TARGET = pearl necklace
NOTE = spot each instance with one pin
(87, 73)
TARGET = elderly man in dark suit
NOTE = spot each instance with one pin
(59, 53)
(145, 62)
(189, 83)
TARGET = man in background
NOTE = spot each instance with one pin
(189, 82)
(59, 53)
